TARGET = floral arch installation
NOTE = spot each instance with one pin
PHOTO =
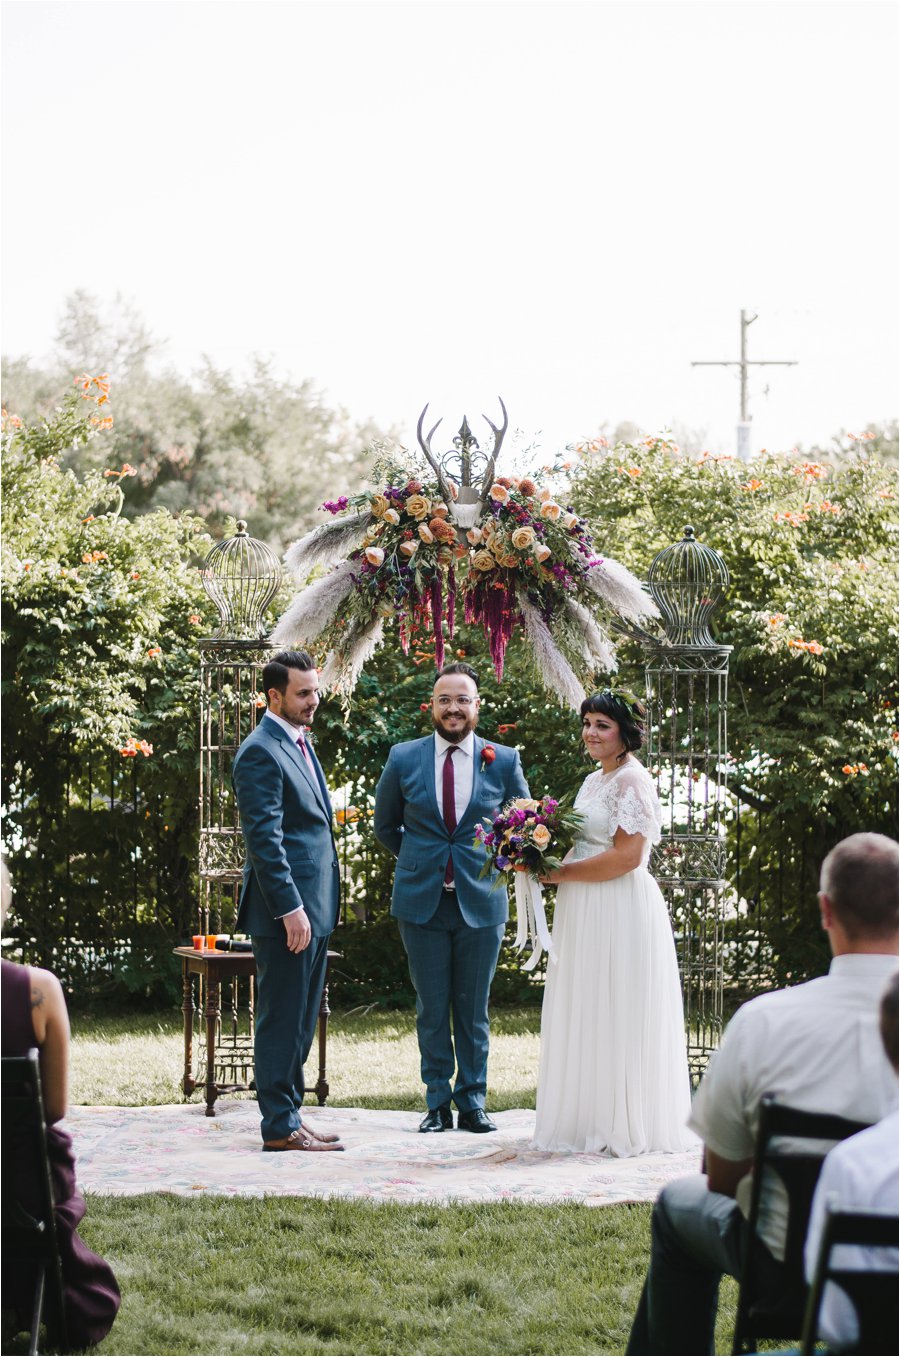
(445, 537)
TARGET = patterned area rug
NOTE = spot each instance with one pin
(126, 1150)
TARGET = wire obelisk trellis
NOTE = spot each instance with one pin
(687, 751)
(241, 576)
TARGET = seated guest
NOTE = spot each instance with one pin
(34, 1014)
(816, 1046)
(860, 1174)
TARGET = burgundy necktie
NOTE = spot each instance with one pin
(449, 790)
(305, 752)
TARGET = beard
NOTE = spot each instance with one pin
(455, 734)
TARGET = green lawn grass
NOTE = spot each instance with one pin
(305, 1276)
(373, 1059)
(277, 1275)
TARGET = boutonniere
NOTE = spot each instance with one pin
(308, 735)
(488, 754)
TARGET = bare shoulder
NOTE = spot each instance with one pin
(46, 991)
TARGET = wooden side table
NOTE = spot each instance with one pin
(214, 967)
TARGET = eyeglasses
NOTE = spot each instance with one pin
(455, 701)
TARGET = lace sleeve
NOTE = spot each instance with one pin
(634, 805)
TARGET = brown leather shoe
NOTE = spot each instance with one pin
(300, 1140)
(325, 1137)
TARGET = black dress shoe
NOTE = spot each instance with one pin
(477, 1120)
(437, 1119)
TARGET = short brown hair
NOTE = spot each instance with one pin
(889, 1021)
(457, 668)
(859, 876)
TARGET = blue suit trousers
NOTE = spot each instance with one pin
(285, 1029)
(451, 966)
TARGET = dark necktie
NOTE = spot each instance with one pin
(449, 791)
(301, 742)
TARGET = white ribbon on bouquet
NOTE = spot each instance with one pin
(531, 921)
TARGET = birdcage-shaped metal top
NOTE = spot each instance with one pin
(688, 582)
(241, 576)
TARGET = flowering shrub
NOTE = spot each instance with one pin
(101, 620)
(811, 611)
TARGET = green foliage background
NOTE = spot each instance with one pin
(99, 651)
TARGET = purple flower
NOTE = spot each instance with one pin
(336, 506)
(502, 863)
(550, 805)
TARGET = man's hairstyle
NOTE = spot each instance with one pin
(275, 673)
(458, 668)
(628, 715)
(889, 1021)
(859, 876)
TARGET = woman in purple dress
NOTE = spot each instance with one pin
(34, 1014)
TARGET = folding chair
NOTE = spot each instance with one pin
(772, 1305)
(874, 1295)
(29, 1243)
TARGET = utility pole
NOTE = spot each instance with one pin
(743, 428)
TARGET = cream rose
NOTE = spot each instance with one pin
(522, 538)
(525, 803)
(509, 560)
(550, 509)
(417, 506)
(569, 521)
(546, 494)
(499, 493)
(378, 505)
(483, 560)
(473, 536)
(540, 836)
(391, 516)
(542, 552)
(488, 528)
(454, 489)
(425, 533)
(409, 548)
(374, 555)
(439, 509)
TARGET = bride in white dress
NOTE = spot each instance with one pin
(613, 1072)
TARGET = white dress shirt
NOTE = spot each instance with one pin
(463, 771)
(818, 1047)
(860, 1174)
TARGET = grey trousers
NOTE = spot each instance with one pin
(696, 1236)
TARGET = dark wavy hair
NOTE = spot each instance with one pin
(629, 716)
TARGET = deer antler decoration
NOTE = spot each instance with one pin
(488, 480)
(425, 445)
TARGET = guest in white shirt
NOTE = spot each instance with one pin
(817, 1047)
(860, 1174)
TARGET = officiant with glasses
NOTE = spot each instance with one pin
(431, 795)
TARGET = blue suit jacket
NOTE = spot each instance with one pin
(286, 819)
(409, 822)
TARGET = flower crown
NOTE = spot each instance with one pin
(627, 699)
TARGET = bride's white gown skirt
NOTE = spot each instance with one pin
(613, 1071)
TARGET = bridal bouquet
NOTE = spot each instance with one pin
(530, 838)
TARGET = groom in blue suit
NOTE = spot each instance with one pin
(432, 794)
(290, 894)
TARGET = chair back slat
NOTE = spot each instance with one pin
(873, 1294)
(774, 1307)
(29, 1242)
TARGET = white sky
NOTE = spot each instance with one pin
(561, 202)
